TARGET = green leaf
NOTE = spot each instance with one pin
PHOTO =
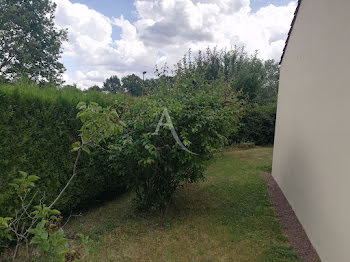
(7, 219)
(76, 144)
(81, 105)
(44, 235)
(45, 246)
(35, 240)
(74, 149)
(14, 185)
(10, 237)
(23, 174)
(54, 212)
(87, 150)
(33, 178)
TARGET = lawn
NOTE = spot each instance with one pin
(227, 217)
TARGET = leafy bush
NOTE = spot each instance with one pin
(33, 219)
(253, 79)
(257, 125)
(153, 163)
(37, 129)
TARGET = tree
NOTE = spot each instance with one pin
(73, 87)
(94, 88)
(133, 84)
(112, 85)
(30, 44)
(253, 77)
(269, 92)
(151, 85)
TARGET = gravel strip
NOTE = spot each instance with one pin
(289, 222)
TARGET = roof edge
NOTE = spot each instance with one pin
(290, 30)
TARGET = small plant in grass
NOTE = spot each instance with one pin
(39, 224)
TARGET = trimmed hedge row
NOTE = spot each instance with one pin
(37, 129)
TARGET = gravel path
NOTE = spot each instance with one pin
(289, 222)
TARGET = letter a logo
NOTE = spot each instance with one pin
(169, 124)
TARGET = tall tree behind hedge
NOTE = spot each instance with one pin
(269, 92)
(30, 44)
(256, 78)
(133, 84)
(94, 88)
(112, 85)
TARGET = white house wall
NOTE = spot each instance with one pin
(311, 160)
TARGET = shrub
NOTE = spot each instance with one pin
(257, 125)
(37, 129)
(153, 164)
(39, 222)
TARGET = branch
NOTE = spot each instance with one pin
(25, 208)
(70, 218)
(70, 180)
(5, 63)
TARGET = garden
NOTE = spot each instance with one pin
(162, 169)
(149, 178)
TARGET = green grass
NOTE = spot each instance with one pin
(227, 217)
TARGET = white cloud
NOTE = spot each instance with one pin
(163, 31)
(228, 6)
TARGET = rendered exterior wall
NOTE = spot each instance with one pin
(312, 143)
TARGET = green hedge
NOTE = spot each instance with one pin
(37, 129)
(257, 125)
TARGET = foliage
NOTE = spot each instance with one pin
(37, 128)
(98, 124)
(43, 223)
(253, 79)
(30, 44)
(151, 84)
(112, 85)
(226, 218)
(257, 79)
(268, 94)
(25, 219)
(133, 84)
(53, 244)
(257, 125)
(153, 164)
(94, 88)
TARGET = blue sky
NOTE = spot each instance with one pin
(257, 4)
(119, 37)
(112, 8)
(126, 7)
(116, 8)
